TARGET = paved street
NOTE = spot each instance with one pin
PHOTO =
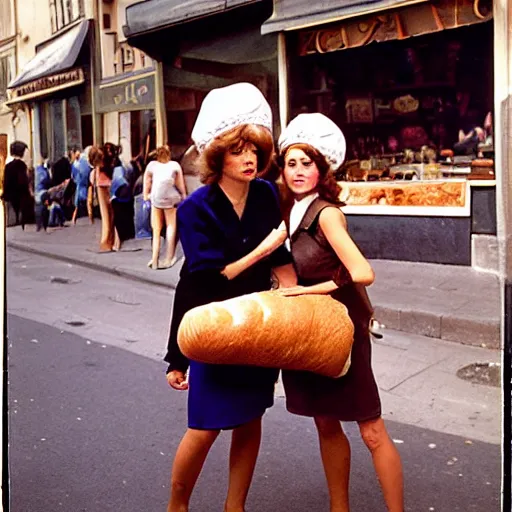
(94, 427)
(439, 301)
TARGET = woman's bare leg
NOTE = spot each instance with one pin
(157, 220)
(90, 204)
(187, 466)
(106, 241)
(335, 452)
(170, 236)
(117, 241)
(245, 445)
(386, 461)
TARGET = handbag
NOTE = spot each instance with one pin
(142, 219)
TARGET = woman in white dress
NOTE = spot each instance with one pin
(164, 186)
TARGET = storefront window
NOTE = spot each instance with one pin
(137, 132)
(73, 123)
(415, 102)
(58, 129)
(61, 126)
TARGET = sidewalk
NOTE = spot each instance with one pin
(440, 301)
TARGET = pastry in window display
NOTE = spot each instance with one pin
(409, 194)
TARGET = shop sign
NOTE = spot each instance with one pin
(127, 95)
(395, 24)
(41, 85)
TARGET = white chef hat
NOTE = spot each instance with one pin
(229, 107)
(318, 131)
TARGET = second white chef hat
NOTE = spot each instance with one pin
(318, 131)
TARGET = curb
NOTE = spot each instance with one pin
(91, 265)
(466, 331)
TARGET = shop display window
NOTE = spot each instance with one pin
(414, 110)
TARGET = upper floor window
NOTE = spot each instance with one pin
(7, 72)
(6, 19)
(64, 12)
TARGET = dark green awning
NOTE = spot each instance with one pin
(295, 14)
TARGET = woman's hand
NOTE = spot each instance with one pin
(316, 289)
(232, 270)
(177, 380)
(293, 291)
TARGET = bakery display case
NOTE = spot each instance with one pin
(418, 180)
(430, 197)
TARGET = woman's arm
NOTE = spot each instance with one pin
(318, 289)
(333, 224)
(180, 181)
(274, 240)
(148, 182)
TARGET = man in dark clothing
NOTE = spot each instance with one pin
(61, 170)
(16, 184)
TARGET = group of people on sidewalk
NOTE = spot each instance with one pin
(233, 232)
(98, 178)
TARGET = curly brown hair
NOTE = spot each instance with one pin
(213, 155)
(163, 154)
(327, 188)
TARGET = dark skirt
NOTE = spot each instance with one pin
(123, 219)
(353, 397)
(220, 396)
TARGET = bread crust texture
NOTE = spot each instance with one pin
(305, 332)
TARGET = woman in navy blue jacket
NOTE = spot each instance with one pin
(219, 225)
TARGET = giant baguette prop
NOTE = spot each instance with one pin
(305, 332)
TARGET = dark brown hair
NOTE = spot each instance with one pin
(213, 156)
(327, 188)
(110, 158)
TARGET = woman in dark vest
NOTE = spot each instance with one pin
(219, 225)
(327, 261)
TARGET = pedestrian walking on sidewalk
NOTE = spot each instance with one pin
(80, 172)
(327, 261)
(102, 161)
(43, 183)
(164, 188)
(16, 186)
(121, 197)
(218, 224)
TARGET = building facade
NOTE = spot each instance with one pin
(126, 92)
(54, 74)
(72, 80)
(200, 46)
(14, 121)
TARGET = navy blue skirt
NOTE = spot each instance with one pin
(225, 397)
